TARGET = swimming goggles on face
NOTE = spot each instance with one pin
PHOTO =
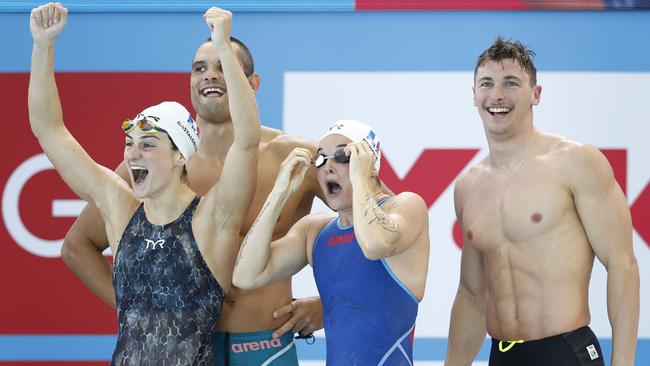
(339, 157)
(145, 123)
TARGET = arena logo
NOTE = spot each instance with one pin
(431, 174)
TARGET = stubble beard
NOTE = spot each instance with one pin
(212, 112)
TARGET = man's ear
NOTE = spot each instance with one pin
(254, 82)
(537, 94)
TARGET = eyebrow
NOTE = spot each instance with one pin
(144, 137)
(508, 77)
(204, 63)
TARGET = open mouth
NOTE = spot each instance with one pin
(499, 111)
(333, 188)
(213, 91)
(139, 174)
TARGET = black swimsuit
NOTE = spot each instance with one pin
(168, 302)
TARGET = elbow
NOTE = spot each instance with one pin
(242, 283)
(68, 252)
(376, 250)
(626, 268)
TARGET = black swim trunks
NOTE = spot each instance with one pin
(577, 348)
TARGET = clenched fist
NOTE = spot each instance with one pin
(47, 21)
(220, 23)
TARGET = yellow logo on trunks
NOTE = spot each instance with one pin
(509, 346)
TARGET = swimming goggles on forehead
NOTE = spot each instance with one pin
(145, 123)
(339, 157)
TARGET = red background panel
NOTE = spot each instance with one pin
(41, 295)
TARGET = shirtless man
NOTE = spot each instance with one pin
(534, 213)
(247, 316)
(174, 252)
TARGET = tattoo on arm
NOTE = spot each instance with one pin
(374, 214)
(250, 231)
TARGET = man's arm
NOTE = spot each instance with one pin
(467, 324)
(306, 316)
(82, 253)
(606, 219)
(83, 246)
(382, 231)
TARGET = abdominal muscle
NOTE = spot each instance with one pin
(537, 296)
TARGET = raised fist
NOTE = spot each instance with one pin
(47, 21)
(220, 23)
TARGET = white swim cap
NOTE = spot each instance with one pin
(178, 123)
(357, 131)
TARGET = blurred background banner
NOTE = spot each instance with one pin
(407, 73)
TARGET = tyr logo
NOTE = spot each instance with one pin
(154, 243)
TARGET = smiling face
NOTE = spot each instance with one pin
(208, 86)
(504, 97)
(208, 90)
(152, 162)
(334, 177)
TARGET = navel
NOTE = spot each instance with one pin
(536, 218)
(470, 235)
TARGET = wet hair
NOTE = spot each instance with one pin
(503, 49)
(244, 55)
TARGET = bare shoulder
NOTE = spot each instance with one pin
(571, 149)
(312, 224)
(315, 221)
(467, 179)
(579, 163)
(282, 144)
(410, 201)
(576, 156)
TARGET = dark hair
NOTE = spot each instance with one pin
(244, 54)
(184, 173)
(503, 49)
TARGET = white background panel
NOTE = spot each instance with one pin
(413, 111)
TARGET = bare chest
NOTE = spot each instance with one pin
(521, 207)
(203, 176)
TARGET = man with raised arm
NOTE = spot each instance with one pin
(174, 252)
(267, 315)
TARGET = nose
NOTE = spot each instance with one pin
(211, 73)
(329, 165)
(133, 152)
(498, 93)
